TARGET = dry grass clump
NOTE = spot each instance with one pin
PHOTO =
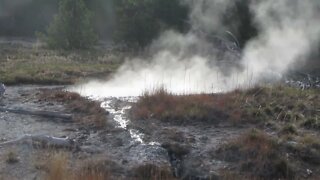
(280, 103)
(86, 111)
(95, 170)
(312, 123)
(165, 106)
(12, 157)
(289, 129)
(257, 154)
(60, 167)
(308, 149)
(150, 171)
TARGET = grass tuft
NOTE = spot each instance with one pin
(289, 129)
(312, 123)
(167, 107)
(150, 171)
(60, 167)
(12, 157)
(87, 111)
(257, 154)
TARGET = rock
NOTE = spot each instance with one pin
(43, 141)
(91, 149)
(2, 89)
(142, 154)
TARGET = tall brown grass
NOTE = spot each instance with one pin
(163, 105)
(153, 172)
(257, 105)
(59, 168)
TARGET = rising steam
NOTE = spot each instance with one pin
(191, 63)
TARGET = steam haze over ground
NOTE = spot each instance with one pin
(189, 63)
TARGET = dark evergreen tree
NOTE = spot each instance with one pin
(72, 28)
(141, 21)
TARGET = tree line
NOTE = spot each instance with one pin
(76, 24)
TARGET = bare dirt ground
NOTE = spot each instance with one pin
(15, 126)
(22, 157)
(125, 148)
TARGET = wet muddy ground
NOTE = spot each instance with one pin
(187, 150)
(15, 126)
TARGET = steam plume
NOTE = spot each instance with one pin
(290, 28)
(191, 63)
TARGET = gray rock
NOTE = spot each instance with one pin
(143, 154)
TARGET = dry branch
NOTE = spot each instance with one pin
(42, 141)
(47, 114)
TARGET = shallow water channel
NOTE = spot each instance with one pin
(118, 108)
(118, 113)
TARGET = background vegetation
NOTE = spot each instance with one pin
(140, 21)
(134, 22)
(72, 27)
